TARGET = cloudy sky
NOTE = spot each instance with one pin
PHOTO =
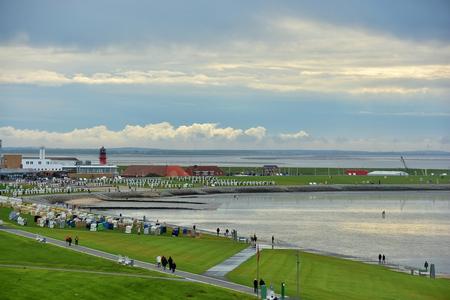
(360, 75)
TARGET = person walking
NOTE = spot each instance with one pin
(70, 241)
(261, 282)
(273, 241)
(218, 231)
(379, 258)
(164, 262)
(174, 266)
(426, 266)
(384, 259)
(158, 261)
(170, 262)
(255, 286)
(76, 240)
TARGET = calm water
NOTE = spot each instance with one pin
(283, 158)
(416, 227)
(310, 161)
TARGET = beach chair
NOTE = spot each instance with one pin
(121, 260)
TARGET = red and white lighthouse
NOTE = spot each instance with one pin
(102, 156)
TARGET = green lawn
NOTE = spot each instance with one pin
(40, 284)
(324, 277)
(16, 250)
(344, 179)
(50, 284)
(191, 254)
(294, 171)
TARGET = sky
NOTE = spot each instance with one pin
(346, 75)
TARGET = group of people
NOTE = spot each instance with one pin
(381, 259)
(69, 240)
(227, 232)
(271, 294)
(163, 261)
(255, 284)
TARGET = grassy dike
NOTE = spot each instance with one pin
(194, 255)
(324, 277)
(344, 179)
(29, 283)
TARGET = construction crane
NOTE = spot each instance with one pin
(403, 162)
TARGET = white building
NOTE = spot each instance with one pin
(43, 163)
(388, 173)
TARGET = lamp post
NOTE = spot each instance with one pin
(298, 274)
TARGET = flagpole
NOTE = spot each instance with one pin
(257, 265)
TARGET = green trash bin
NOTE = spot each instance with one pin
(263, 292)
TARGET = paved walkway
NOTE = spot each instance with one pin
(231, 263)
(189, 276)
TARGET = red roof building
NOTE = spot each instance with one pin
(154, 171)
(204, 171)
(357, 172)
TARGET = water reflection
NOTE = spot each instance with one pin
(416, 227)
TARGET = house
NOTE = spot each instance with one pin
(270, 170)
(356, 172)
(388, 173)
(204, 171)
(154, 171)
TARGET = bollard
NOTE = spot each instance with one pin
(283, 291)
(263, 292)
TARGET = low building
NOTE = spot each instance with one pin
(356, 172)
(94, 171)
(204, 171)
(50, 164)
(270, 170)
(154, 171)
(11, 161)
(388, 173)
(13, 174)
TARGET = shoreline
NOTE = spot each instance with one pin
(144, 195)
(280, 245)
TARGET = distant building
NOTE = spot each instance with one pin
(388, 173)
(43, 163)
(204, 171)
(154, 171)
(356, 172)
(11, 161)
(94, 171)
(270, 170)
(13, 174)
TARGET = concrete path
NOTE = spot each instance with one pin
(135, 275)
(145, 265)
(231, 263)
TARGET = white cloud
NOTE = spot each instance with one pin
(159, 134)
(208, 136)
(298, 56)
(257, 132)
(296, 135)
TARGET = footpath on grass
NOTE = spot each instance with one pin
(231, 263)
(141, 264)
